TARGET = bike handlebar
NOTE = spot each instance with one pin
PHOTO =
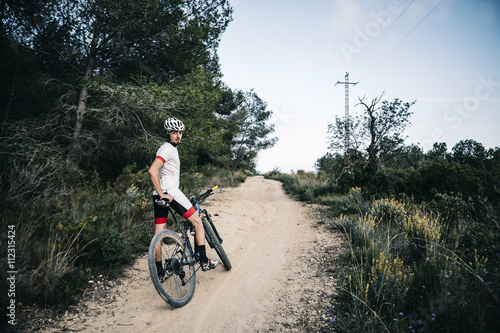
(206, 194)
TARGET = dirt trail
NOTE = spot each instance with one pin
(274, 285)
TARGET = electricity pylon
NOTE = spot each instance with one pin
(347, 83)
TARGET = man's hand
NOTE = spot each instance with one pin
(165, 200)
(162, 202)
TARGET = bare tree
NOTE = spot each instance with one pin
(378, 125)
(386, 122)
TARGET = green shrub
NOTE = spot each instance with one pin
(388, 211)
(401, 273)
(107, 248)
(388, 283)
(305, 186)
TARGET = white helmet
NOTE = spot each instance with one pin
(173, 124)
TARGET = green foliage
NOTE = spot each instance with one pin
(106, 247)
(429, 177)
(247, 129)
(376, 131)
(104, 86)
(404, 275)
(161, 39)
(388, 211)
(413, 264)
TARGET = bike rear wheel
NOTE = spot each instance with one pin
(214, 243)
(177, 285)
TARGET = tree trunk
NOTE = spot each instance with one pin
(80, 114)
(84, 94)
(372, 148)
(11, 98)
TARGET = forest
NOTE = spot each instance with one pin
(84, 91)
(421, 229)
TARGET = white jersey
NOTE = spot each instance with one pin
(170, 171)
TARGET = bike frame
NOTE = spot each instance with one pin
(185, 225)
(187, 242)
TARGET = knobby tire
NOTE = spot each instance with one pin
(213, 241)
(171, 288)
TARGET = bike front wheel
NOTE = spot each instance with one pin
(177, 283)
(214, 243)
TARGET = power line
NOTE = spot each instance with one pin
(368, 49)
(383, 34)
(385, 56)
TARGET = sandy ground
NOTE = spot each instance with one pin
(277, 282)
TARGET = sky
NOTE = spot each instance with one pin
(443, 54)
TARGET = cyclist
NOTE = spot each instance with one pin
(164, 173)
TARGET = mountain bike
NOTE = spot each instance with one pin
(176, 286)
